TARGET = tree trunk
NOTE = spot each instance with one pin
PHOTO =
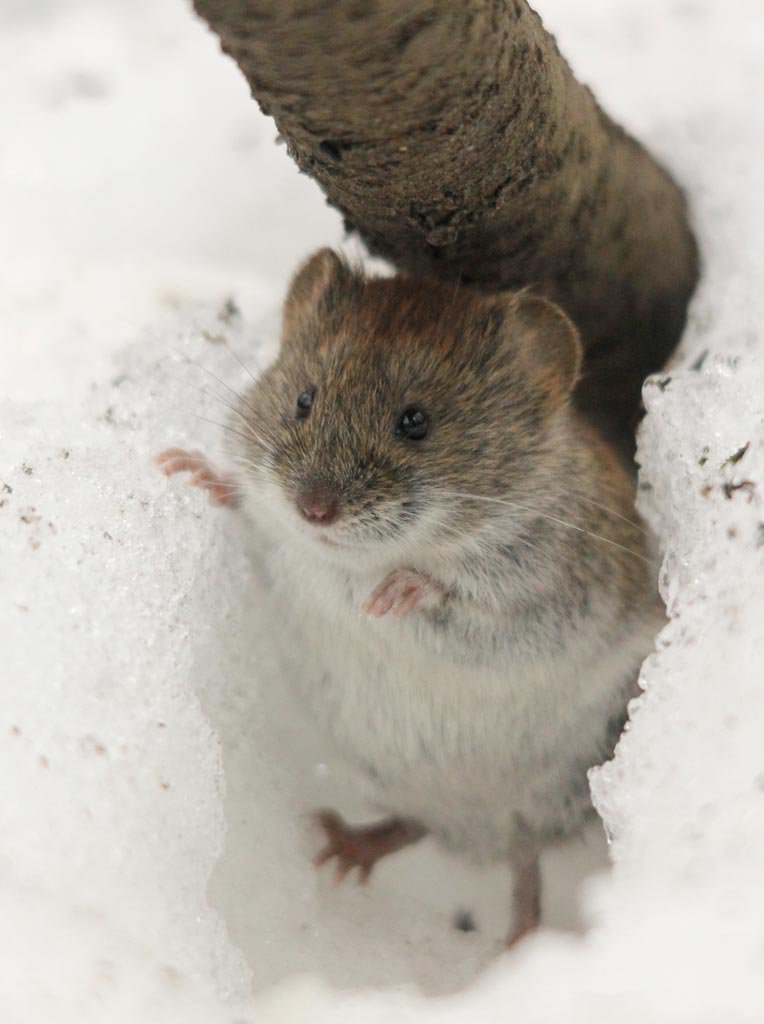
(454, 138)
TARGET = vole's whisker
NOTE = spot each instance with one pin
(231, 430)
(214, 376)
(242, 460)
(217, 398)
(262, 438)
(454, 294)
(559, 488)
(458, 533)
(241, 362)
(546, 515)
(603, 508)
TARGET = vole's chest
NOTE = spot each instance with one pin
(474, 737)
(396, 693)
(393, 705)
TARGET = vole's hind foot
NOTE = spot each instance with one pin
(361, 847)
(222, 489)
(403, 592)
(526, 902)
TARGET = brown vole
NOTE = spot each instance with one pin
(413, 454)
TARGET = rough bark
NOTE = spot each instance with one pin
(454, 138)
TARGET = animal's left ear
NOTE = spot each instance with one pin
(321, 275)
(546, 342)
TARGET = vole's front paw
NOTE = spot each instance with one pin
(222, 489)
(403, 592)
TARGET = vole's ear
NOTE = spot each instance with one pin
(314, 283)
(548, 343)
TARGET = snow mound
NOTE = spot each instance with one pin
(154, 852)
(111, 584)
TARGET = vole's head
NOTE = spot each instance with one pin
(394, 399)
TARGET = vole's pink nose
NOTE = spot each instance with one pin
(318, 505)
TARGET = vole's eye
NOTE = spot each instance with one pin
(413, 424)
(304, 404)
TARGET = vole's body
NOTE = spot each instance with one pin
(508, 591)
(480, 718)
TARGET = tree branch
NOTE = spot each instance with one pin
(454, 138)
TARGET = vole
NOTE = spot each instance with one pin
(459, 549)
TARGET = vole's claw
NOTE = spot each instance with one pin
(361, 847)
(346, 845)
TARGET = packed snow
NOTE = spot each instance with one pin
(154, 838)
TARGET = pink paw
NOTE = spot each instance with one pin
(361, 847)
(403, 592)
(223, 490)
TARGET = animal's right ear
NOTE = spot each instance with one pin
(551, 344)
(314, 284)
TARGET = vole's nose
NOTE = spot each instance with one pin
(318, 505)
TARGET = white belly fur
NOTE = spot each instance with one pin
(488, 758)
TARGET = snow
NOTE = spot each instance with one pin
(154, 847)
